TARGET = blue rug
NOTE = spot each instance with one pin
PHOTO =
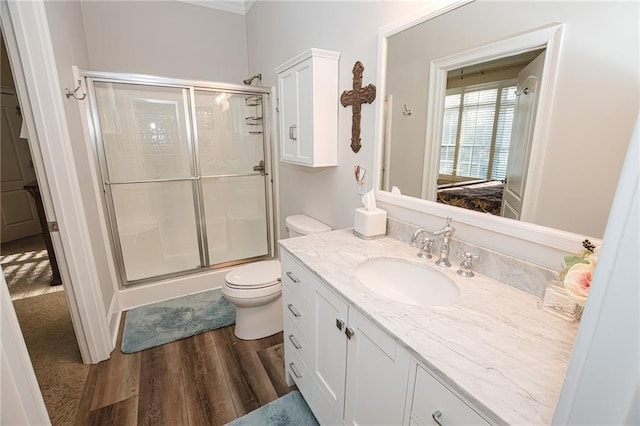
(288, 410)
(164, 322)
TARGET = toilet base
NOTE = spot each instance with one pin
(259, 321)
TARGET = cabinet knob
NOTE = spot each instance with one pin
(349, 332)
(339, 324)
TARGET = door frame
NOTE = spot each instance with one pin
(30, 48)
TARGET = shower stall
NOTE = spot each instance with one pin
(185, 173)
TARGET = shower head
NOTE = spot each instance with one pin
(248, 81)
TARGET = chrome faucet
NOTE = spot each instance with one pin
(446, 233)
(423, 239)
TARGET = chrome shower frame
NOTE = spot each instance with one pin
(190, 86)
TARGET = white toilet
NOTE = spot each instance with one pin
(256, 291)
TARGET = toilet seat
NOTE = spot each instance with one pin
(254, 276)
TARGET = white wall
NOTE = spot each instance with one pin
(603, 378)
(595, 103)
(278, 31)
(167, 39)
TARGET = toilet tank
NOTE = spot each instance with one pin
(301, 224)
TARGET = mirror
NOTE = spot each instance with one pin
(450, 140)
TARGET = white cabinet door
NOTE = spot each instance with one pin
(305, 129)
(377, 375)
(328, 317)
(288, 84)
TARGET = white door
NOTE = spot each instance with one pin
(18, 211)
(328, 353)
(377, 375)
(521, 137)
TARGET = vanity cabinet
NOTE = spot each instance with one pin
(308, 108)
(348, 370)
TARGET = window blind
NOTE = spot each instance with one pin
(476, 131)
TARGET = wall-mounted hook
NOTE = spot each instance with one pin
(407, 111)
(70, 93)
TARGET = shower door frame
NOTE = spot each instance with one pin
(91, 111)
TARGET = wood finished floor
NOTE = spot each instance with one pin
(208, 379)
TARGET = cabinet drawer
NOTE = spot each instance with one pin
(294, 276)
(296, 339)
(296, 369)
(295, 310)
(432, 399)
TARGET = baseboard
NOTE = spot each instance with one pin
(145, 294)
(114, 315)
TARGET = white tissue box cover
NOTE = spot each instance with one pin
(370, 223)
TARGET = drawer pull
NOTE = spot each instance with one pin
(436, 418)
(293, 277)
(295, 371)
(295, 342)
(293, 310)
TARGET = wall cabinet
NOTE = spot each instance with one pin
(308, 108)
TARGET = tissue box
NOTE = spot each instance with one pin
(369, 224)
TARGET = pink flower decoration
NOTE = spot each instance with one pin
(578, 282)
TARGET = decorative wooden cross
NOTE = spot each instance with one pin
(355, 98)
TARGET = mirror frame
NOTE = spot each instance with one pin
(542, 235)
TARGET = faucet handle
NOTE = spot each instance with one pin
(468, 256)
(426, 248)
(466, 267)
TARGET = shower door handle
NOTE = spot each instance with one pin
(259, 167)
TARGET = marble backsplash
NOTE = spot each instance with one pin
(509, 270)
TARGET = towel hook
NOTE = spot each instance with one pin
(526, 85)
(70, 93)
(407, 111)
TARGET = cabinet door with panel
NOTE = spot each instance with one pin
(328, 316)
(377, 375)
(288, 94)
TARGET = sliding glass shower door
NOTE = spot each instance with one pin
(231, 164)
(184, 176)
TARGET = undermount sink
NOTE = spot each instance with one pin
(406, 282)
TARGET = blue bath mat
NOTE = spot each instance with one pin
(164, 322)
(288, 410)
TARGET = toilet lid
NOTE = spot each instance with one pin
(255, 275)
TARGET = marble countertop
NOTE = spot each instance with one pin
(493, 346)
